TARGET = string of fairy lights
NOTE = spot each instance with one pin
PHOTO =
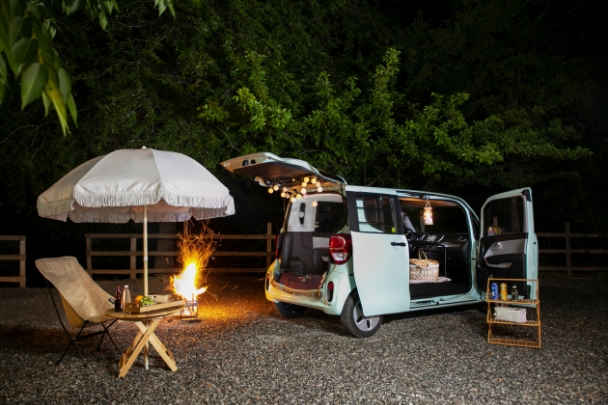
(299, 189)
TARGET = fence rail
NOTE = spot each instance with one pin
(133, 253)
(20, 257)
(568, 251)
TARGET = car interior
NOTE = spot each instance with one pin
(304, 247)
(446, 240)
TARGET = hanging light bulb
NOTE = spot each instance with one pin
(306, 179)
(275, 187)
(315, 203)
(293, 199)
(303, 191)
(270, 190)
(298, 196)
(304, 183)
(319, 189)
(313, 180)
(284, 189)
(428, 213)
(283, 194)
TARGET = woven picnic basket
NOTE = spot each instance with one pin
(424, 268)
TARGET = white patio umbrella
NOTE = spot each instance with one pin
(140, 185)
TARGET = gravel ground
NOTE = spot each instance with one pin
(242, 352)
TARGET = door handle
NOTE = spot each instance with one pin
(397, 243)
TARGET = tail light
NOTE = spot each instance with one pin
(330, 291)
(340, 248)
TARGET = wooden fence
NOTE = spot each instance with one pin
(20, 257)
(133, 253)
(568, 251)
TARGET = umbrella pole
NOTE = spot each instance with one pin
(145, 250)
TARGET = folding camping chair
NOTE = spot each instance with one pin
(85, 303)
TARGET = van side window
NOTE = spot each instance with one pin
(504, 216)
(375, 213)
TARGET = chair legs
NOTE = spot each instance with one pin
(106, 331)
(79, 337)
(72, 341)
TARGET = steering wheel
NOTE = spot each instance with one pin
(411, 234)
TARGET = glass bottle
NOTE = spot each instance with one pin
(126, 296)
(118, 300)
(514, 293)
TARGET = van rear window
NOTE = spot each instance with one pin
(330, 217)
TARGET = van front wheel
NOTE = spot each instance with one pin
(353, 320)
(289, 310)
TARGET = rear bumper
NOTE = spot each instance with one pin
(343, 285)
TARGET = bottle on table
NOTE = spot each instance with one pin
(118, 300)
(126, 296)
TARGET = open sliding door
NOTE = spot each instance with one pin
(508, 247)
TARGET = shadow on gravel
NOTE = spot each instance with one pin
(477, 307)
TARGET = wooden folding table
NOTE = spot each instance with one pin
(147, 323)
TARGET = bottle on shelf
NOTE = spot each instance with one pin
(514, 293)
(118, 300)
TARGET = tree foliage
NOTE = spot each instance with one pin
(369, 90)
(26, 47)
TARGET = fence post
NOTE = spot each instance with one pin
(22, 263)
(89, 249)
(133, 267)
(268, 243)
(568, 254)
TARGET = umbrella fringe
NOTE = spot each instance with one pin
(129, 199)
(55, 209)
(199, 202)
(134, 199)
(114, 218)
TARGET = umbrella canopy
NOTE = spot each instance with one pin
(140, 185)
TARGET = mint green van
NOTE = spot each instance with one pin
(345, 250)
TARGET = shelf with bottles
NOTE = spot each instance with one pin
(527, 303)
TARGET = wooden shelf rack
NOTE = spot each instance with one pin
(525, 303)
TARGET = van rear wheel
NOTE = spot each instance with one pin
(353, 320)
(289, 310)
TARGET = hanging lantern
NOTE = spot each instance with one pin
(428, 213)
(275, 187)
(270, 190)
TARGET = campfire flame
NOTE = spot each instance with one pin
(184, 284)
(195, 252)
